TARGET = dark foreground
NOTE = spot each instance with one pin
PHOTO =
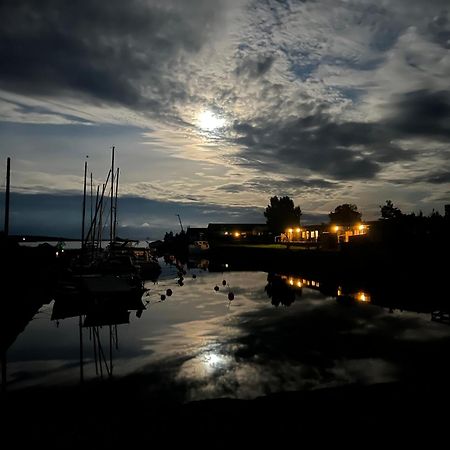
(121, 416)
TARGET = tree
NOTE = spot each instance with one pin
(389, 211)
(282, 214)
(346, 215)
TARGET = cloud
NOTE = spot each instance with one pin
(423, 113)
(255, 67)
(285, 185)
(437, 178)
(107, 52)
(345, 151)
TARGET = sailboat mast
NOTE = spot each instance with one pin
(98, 209)
(84, 206)
(111, 235)
(94, 224)
(115, 202)
(91, 199)
(100, 223)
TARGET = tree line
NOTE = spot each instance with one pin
(281, 213)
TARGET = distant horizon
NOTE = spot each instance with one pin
(69, 207)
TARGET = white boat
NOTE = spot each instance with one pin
(198, 247)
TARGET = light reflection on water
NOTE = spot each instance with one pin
(247, 347)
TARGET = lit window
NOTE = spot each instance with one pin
(362, 297)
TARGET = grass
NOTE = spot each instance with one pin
(292, 247)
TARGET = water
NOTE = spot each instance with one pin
(70, 245)
(281, 332)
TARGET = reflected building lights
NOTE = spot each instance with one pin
(360, 296)
(300, 282)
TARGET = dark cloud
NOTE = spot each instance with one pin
(255, 67)
(346, 150)
(439, 177)
(439, 28)
(260, 184)
(423, 113)
(111, 51)
(315, 143)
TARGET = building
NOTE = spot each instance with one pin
(197, 240)
(239, 232)
(304, 234)
(350, 232)
(196, 234)
(323, 235)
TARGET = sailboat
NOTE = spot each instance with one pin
(121, 257)
(111, 272)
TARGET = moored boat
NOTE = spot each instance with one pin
(198, 247)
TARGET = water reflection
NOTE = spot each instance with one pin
(96, 314)
(17, 312)
(287, 286)
(282, 290)
(359, 296)
(282, 330)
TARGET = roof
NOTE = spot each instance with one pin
(236, 226)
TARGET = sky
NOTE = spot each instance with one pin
(214, 106)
